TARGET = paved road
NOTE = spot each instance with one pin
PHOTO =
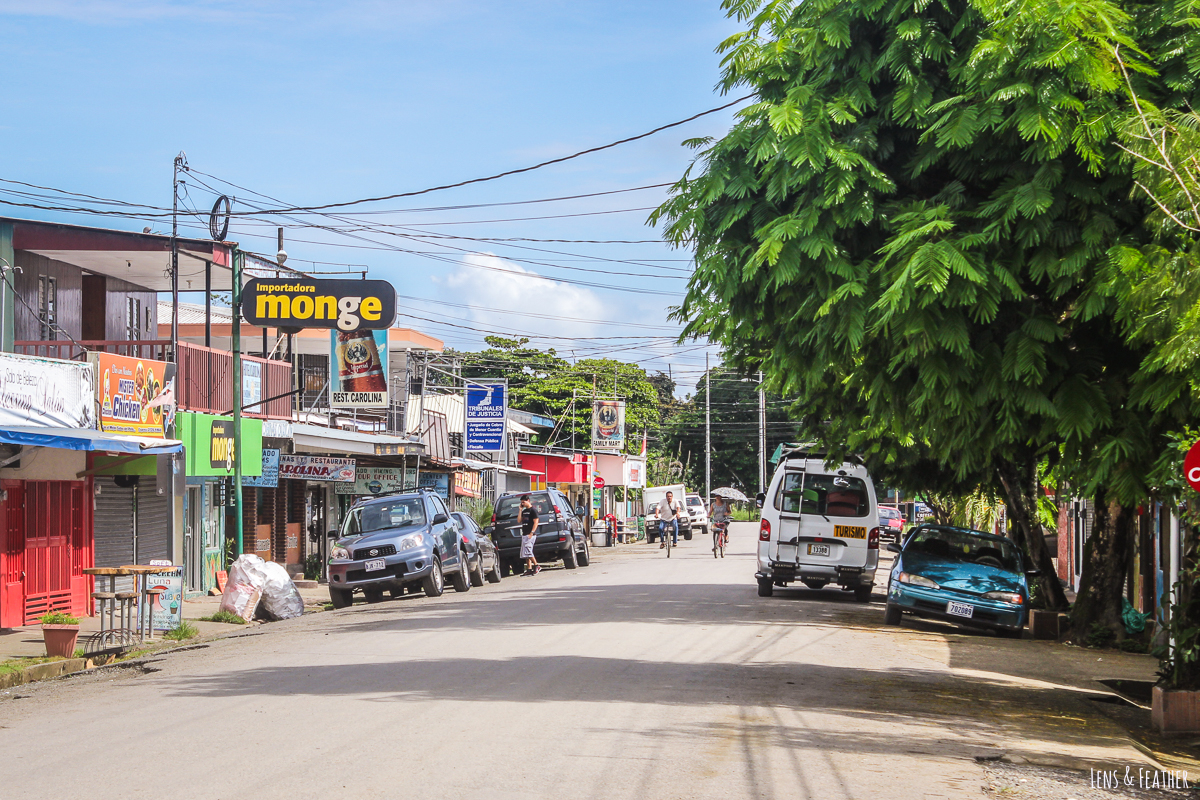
(638, 677)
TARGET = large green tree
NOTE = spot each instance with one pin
(910, 231)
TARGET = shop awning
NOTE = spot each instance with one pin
(558, 468)
(315, 439)
(89, 440)
(471, 463)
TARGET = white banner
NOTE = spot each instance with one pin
(46, 392)
(379, 480)
(317, 468)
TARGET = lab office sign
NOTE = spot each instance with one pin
(334, 304)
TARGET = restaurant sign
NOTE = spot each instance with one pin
(46, 392)
(317, 468)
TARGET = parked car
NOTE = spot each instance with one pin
(892, 522)
(685, 525)
(483, 562)
(960, 575)
(697, 512)
(392, 542)
(818, 527)
(561, 532)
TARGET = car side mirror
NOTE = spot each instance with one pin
(440, 519)
(893, 547)
(332, 533)
(760, 499)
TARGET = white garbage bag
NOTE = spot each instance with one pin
(280, 597)
(247, 578)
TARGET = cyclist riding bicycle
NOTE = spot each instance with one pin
(668, 519)
(718, 514)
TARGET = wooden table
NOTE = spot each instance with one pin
(112, 573)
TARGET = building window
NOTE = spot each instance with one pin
(133, 318)
(47, 308)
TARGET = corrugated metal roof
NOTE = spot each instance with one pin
(193, 314)
(452, 406)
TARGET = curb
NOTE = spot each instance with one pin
(41, 672)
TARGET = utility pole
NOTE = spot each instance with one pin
(762, 435)
(707, 431)
(180, 164)
(238, 260)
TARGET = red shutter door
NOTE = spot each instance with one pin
(12, 555)
(48, 517)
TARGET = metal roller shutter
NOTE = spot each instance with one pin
(154, 520)
(114, 529)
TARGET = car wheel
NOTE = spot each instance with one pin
(341, 597)
(568, 558)
(585, 556)
(373, 595)
(460, 580)
(892, 615)
(862, 594)
(815, 584)
(765, 587)
(496, 573)
(477, 574)
(432, 583)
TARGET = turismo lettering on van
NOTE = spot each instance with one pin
(295, 304)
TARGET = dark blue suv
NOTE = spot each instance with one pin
(395, 542)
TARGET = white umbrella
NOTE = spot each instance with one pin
(731, 494)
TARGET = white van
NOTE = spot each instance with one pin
(819, 526)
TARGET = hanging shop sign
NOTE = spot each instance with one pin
(635, 474)
(317, 468)
(46, 392)
(252, 386)
(608, 424)
(1191, 466)
(276, 429)
(439, 482)
(486, 416)
(360, 377)
(378, 480)
(336, 304)
(270, 470)
(209, 444)
(597, 482)
(137, 395)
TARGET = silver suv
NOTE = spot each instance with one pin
(697, 511)
(395, 542)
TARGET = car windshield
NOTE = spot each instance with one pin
(695, 502)
(889, 513)
(508, 506)
(829, 495)
(399, 513)
(968, 547)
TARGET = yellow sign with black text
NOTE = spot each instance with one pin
(334, 304)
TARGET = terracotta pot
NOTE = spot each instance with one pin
(1175, 710)
(60, 639)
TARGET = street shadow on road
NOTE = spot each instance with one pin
(973, 710)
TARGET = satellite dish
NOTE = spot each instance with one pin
(218, 220)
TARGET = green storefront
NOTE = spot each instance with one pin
(208, 442)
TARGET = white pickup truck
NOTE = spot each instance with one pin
(653, 495)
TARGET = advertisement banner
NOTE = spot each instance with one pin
(208, 443)
(137, 395)
(608, 424)
(635, 474)
(378, 480)
(336, 304)
(486, 417)
(360, 369)
(438, 481)
(252, 386)
(165, 611)
(46, 392)
(270, 471)
(317, 468)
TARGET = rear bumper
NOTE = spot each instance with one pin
(830, 573)
(931, 604)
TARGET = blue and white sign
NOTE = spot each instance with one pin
(270, 471)
(487, 413)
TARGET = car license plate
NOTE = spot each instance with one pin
(375, 565)
(818, 549)
(960, 609)
(849, 532)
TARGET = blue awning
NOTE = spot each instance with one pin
(89, 440)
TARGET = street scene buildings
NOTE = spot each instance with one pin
(389, 405)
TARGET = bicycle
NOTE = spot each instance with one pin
(665, 533)
(720, 537)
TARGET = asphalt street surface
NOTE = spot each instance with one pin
(636, 677)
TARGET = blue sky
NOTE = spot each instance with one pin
(322, 102)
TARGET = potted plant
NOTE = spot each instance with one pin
(60, 630)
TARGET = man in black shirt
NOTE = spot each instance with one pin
(529, 526)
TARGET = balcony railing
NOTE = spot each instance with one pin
(205, 380)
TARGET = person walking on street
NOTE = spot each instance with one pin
(668, 516)
(529, 526)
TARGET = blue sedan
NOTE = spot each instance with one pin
(959, 575)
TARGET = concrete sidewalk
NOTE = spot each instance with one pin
(26, 642)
